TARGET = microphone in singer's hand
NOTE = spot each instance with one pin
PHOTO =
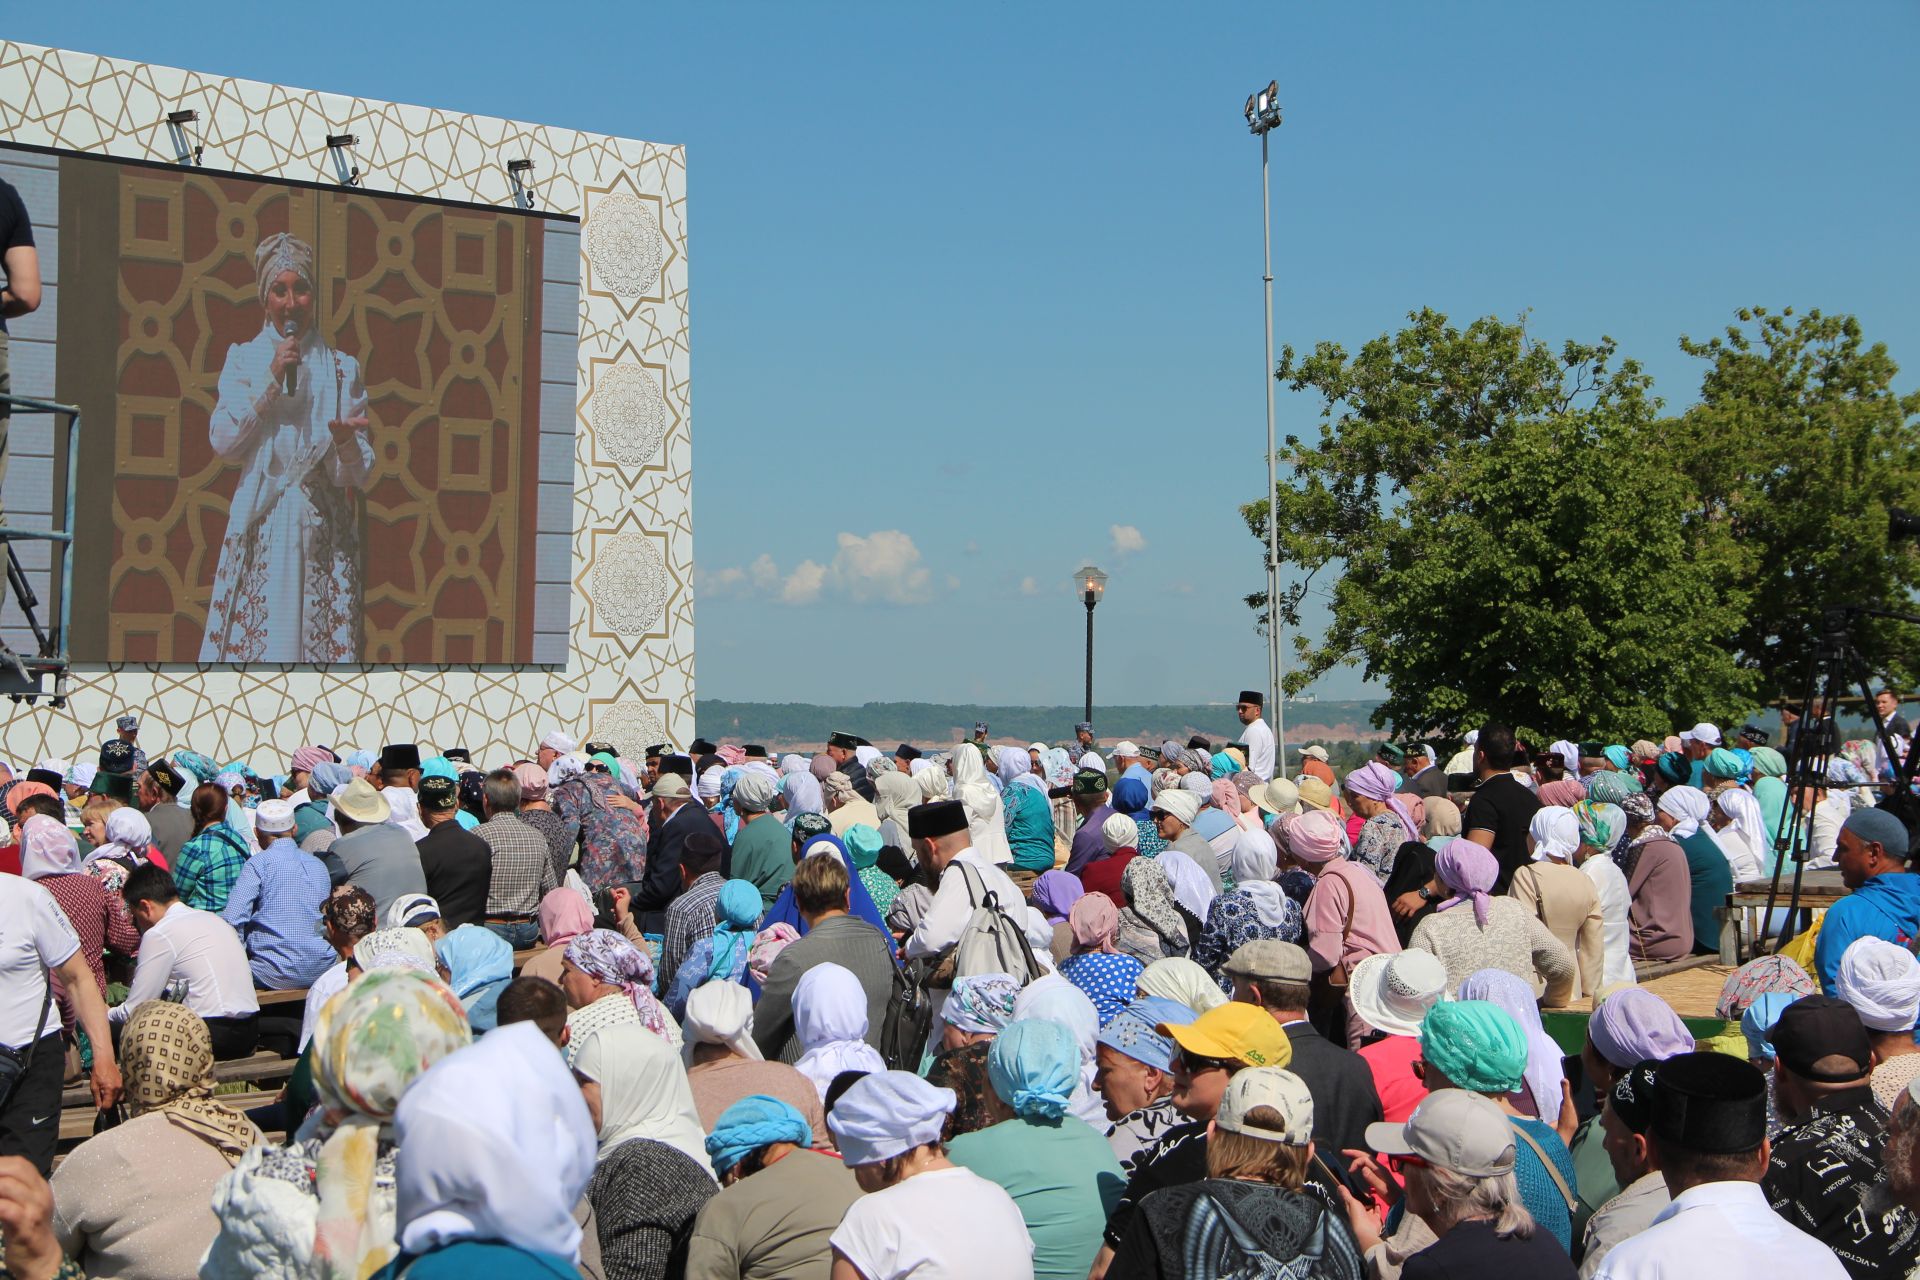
(293, 370)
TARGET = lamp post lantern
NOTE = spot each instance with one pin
(1263, 116)
(1093, 585)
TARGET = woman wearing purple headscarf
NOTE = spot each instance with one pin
(1054, 893)
(1497, 933)
(1389, 823)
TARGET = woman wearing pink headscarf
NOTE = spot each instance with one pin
(1387, 824)
(1347, 914)
(564, 915)
(1096, 966)
(1473, 930)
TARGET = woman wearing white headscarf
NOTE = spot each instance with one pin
(985, 823)
(1742, 832)
(1054, 999)
(1253, 909)
(287, 588)
(495, 1148)
(803, 794)
(1182, 981)
(830, 1023)
(1561, 897)
(931, 774)
(1683, 811)
(636, 1087)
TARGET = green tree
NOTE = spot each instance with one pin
(1509, 538)
(1798, 447)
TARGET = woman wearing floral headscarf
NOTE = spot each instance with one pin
(1388, 824)
(133, 1200)
(977, 1010)
(1152, 924)
(608, 980)
(324, 1204)
(1254, 908)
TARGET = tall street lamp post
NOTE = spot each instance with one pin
(1263, 116)
(1093, 585)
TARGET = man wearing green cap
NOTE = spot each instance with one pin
(1088, 793)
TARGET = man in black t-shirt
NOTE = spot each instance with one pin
(1502, 807)
(20, 263)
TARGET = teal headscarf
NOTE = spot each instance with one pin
(1723, 763)
(1611, 786)
(738, 917)
(754, 1122)
(1223, 765)
(1476, 1044)
(1618, 757)
(863, 845)
(1034, 1066)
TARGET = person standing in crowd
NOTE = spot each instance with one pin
(763, 849)
(1459, 1158)
(376, 855)
(1257, 734)
(1501, 811)
(1060, 1172)
(887, 1127)
(536, 810)
(779, 1202)
(275, 902)
(1253, 1213)
(1884, 900)
(1831, 1151)
(157, 794)
(1709, 1140)
(198, 949)
(1134, 1074)
(457, 864)
(834, 936)
(1881, 980)
(522, 864)
(20, 296)
(1562, 898)
(681, 817)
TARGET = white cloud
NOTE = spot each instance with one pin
(1126, 539)
(1029, 587)
(883, 566)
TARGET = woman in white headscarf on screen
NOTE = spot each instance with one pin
(287, 588)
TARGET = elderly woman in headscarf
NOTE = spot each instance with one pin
(803, 795)
(1473, 930)
(49, 857)
(1053, 999)
(1660, 896)
(1741, 830)
(986, 825)
(1120, 836)
(1602, 827)
(609, 981)
(1388, 823)
(324, 1205)
(721, 956)
(480, 963)
(1029, 817)
(564, 915)
(292, 522)
(1182, 981)
(893, 794)
(830, 1025)
(1346, 917)
(1054, 893)
(1058, 1169)
(496, 1149)
(1683, 811)
(1563, 899)
(724, 1064)
(1096, 965)
(976, 1011)
(1254, 908)
(133, 1200)
(1152, 924)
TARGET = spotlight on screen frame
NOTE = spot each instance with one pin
(186, 149)
(520, 173)
(343, 166)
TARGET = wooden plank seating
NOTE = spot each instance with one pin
(76, 1125)
(261, 1068)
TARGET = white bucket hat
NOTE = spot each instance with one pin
(1392, 993)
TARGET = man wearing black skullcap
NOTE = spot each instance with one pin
(1830, 1153)
(1258, 736)
(941, 842)
(1709, 1128)
(155, 793)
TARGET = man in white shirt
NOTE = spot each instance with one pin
(1257, 736)
(939, 835)
(197, 949)
(38, 943)
(1709, 1130)
(398, 778)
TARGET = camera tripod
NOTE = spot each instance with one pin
(1835, 666)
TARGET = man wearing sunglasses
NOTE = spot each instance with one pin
(1258, 737)
(1208, 1051)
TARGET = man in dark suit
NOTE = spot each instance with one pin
(458, 864)
(834, 936)
(680, 816)
(1275, 975)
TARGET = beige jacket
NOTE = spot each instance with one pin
(1564, 899)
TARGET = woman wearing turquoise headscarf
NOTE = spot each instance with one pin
(1770, 789)
(863, 846)
(722, 955)
(480, 963)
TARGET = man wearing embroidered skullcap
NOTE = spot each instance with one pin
(921, 1212)
(275, 902)
(1830, 1151)
(1088, 794)
(1257, 734)
(780, 1202)
(1709, 1140)
(1872, 854)
(1210, 1050)
(1881, 980)
(1640, 1192)
(157, 793)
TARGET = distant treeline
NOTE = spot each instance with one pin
(933, 726)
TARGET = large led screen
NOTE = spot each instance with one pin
(310, 420)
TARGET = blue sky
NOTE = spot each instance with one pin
(976, 290)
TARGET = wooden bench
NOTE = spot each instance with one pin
(76, 1124)
(261, 1068)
